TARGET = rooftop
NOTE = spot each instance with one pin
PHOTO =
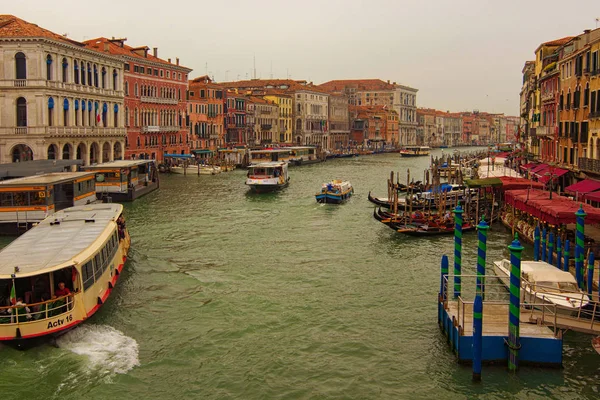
(13, 27)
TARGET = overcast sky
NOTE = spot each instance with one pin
(460, 54)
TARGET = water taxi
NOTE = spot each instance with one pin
(60, 272)
(27, 201)
(415, 151)
(335, 192)
(268, 176)
(544, 284)
(270, 154)
(302, 155)
(125, 180)
(196, 169)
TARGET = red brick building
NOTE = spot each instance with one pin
(206, 111)
(155, 100)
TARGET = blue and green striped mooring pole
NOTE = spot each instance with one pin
(536, 243)
(566, 252)
(550, 247)
(443, 284)
(579, 245)
(482, 231)
(515, 304)
(590, 273)
(477, 337)
(544, 244)
(458, 222)
(558, 252)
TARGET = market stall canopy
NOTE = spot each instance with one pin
(513, 183)
(556, 173)
(585, 186)
(558, 210)
(538, 168)
(529, 166)
(593, 196)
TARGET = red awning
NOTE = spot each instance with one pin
(593, 196)
(556, 173)
(512, 183)
(539, 168)
(585, 186)
(529, 166)
(558, 210)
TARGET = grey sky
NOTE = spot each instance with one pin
(460, 54)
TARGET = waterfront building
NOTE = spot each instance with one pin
(449, 128)
(206, 115)
(60, 99)
(370, 127)
(252, 140)
(310, 107)
(594, 115)
(512, 129)
(547, 129)
(376, 92)
(238, 131)
(266, 118)
(526, 102)
(574, 100)
(427, 127)
(339, 123)
(284, 103)
(155, 100)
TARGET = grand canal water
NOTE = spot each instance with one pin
(229, 295)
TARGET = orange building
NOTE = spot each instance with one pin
(373, 127)
(206, 113)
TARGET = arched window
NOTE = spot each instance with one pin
(50, 110)
(116, 115)
(105, 115)
(135, 90)
(65, 71)
(103, 78)
(126, 88)
(586, 95)
(298, 124)
(135, 117)
(138, 142)
(49, 67)
(126, 116)
(20, 66)
(89, 75)
(115, 77)
(66, 112)
(76, 105)
(21, 111)
(52, 152)
(83, 73)
(76, 71)
(95, 75)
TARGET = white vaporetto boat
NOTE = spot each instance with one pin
(196, 170)
(268, 176)
(61, 271)
(544, 284)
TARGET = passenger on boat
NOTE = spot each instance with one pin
(62, 290)
(60, 305)
(23, 313)
(42, 309)
(121, 226)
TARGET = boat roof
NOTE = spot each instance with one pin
(540, 271)
(119, 164)
(268, 164)
(286, 150)
(51, 178)
(50, 244)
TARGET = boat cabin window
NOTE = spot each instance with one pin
(568, 287)
(93, 269)
(545, 286)
(24, 198)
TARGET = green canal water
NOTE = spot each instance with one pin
(229, 295)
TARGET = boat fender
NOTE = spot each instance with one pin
(18, 333)
(100, 302)
(117, 272)
(110, 285)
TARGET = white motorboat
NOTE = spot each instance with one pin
(267, 176)
(544, 284)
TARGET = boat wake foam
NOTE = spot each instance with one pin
(108, 350)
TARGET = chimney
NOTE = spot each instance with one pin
(169, 60)
(586, 31)
(155, 52)
(388, 81)
(105, 46)
(177, 60)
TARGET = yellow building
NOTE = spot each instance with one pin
(594, 113)
(284, 101)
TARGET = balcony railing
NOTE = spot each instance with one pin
(595, 114)
(589, 164)
(37, 83)
(160, 128)
(85, 130)
(548, 96)
(158, 100)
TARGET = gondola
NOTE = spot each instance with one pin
(435, 230)
(379, 202)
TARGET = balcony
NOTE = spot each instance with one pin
(594, 115)
(589, 165)
(160, 128)
(158, 100)
(69, 131)
(42, 83)
(548, 96)
(265, 127)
